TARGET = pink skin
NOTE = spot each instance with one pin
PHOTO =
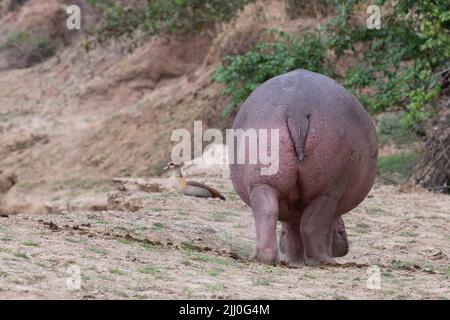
(327, 164)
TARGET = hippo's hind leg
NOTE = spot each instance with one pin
(291, 244)
(338, 238)
(316, 224)
(264, 203)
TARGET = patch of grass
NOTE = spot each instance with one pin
(211, 259)
(158, 226)
(362, 228)
(148, 246)
(42, 265)
(215, 272)
(6, 250)
(130, 255)
(182, 213)
(85, 277)
(408, 234)
(187, 246)
(232, 196)
(30, 243)
(21, 255)
(158, 209)
(402, 265)
(387, 274)
(102, 222)
(193, 253)
(3, 274)
(141, 228)
(53, 262)
(29, 48)
(75, 240)
(373, 210)
(35, 279)
(445, 270)
(125, 241)
(116, 271)
(220, 216)
(216, 287)
(150, 270)
(98, 250)
(261, 282)
(269, 269)
(396, 168)
(68, 263)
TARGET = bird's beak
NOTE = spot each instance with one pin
(165, 168)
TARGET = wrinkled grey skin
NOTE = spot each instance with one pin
(328, 155)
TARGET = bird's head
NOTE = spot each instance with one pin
(174, 168)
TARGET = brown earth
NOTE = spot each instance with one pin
(71, 124)
(163, 245)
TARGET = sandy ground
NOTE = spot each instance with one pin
(71, 123)
(181, 247)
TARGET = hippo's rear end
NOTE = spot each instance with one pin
(326, 165)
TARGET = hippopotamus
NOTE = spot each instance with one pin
(328, 149)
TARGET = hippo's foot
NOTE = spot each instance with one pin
(291, 244)
(322, 260)
(264, 203)
(317, 221)
(266, 256)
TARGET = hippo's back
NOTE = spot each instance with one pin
(328, 144)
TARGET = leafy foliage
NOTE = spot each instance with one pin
(396, 67)
(243, 73)
(392, 132)
(400, 60)
(158, 16)
(29, 48)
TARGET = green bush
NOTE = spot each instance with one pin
(28, 48)
(398, 66)
(156, 16)
(396, 168)
(391, 130)
(401, 61)
(243, 73)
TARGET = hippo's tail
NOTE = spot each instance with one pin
(298, 130)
